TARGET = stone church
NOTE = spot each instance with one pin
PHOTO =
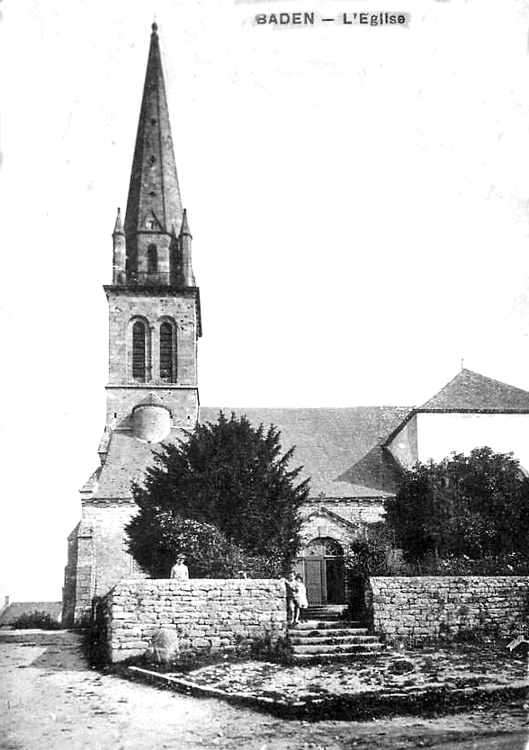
(353, 456)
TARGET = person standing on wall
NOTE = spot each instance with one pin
(180, 571)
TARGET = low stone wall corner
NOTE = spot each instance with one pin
(209, 615)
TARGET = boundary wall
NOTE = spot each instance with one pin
(208, 615)
(423, 608)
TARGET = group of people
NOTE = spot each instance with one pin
(295, 588)
(296, 597)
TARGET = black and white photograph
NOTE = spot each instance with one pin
(264, 401)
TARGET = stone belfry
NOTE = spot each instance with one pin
(154, 325)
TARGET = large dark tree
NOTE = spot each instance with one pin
(474, 506)
(234, 483)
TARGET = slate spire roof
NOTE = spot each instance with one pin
(470, 392)
(154, 192)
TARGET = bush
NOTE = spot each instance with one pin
(471, 508)
(42, 620)
(368, 557)
(509, 564)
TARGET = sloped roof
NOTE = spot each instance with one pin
(126, 461)
(342, 450)
(327, 441)
(470, 391)
(13, 611)
(377, 469)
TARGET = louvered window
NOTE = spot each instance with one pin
(152, 260)
(167, 352)
(138, 351)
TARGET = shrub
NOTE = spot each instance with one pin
(42, 620)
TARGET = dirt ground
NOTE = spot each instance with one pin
(50, 698)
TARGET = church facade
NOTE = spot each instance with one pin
(354, 457)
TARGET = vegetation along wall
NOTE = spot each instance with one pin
(209, 615)
(416, 609)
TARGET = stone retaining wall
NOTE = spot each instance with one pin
(209, 615)
(418, 609)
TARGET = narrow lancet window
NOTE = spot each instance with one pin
(138, 351)
(167, 352)
(152, 260)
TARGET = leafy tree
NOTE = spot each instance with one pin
(474, 506)
(225, 497)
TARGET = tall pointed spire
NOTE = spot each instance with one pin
(154, 205)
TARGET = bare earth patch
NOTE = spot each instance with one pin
(455, 668)
(51, 700)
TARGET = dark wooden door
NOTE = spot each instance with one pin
(334, 579)
(315, 580)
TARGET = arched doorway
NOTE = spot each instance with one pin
(322, 567)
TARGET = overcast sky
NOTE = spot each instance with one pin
(358, 197)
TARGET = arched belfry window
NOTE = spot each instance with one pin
(167, 352)
(152, 260)
(139, 350)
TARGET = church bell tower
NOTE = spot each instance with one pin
(154, 304)
(154, 325)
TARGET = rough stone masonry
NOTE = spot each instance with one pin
(418, 609)
(209, 615)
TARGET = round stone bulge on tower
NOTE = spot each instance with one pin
(151, 419)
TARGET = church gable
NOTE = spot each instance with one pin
(471, 411)
(471, 392)
(324, 523)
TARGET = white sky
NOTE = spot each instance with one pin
(359, 200)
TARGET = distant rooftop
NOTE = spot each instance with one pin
(13, 611)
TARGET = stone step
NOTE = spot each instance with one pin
(329, 618)
(298, 632)
(309, 640)
(326, 657)
(349, 648)
(327, 606)
(315, 624)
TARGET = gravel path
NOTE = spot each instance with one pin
(49, 698)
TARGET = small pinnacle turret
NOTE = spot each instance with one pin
(118, 226)
(187, 275)
(119, 259)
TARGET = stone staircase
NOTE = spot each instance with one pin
(325, 635)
